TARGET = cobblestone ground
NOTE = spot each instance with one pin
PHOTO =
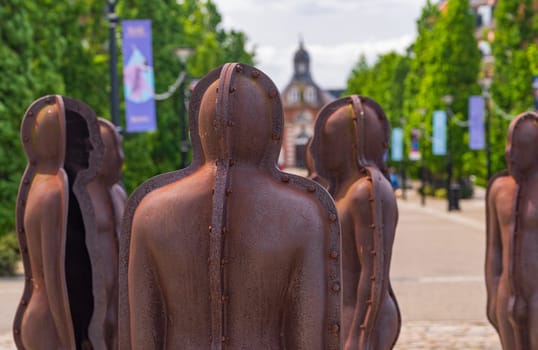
(419, 335)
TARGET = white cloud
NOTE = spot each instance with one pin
(335, 32)
(330, 64)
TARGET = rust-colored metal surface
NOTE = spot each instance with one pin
(512, 239)
(231, 253)
(43, 318)
(312, 174)
(350, 138)
(108, 201)
(67, 221)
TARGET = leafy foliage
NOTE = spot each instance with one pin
(444, 60)
(514, 50)
(61, 47)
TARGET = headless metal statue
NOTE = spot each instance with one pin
(231, 253)
(350, 138)
(43, 318)
(56, 225)
(512, 239)
(108, 200)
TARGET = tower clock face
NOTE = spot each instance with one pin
(301, 67)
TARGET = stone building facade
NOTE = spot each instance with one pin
(302, 98)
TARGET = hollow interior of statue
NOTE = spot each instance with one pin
(77, 262)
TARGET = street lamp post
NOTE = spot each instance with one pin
(422, 112)
(114, 101)
(451, 190)
(183, 54)
(403, 172)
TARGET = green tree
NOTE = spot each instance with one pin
(190, 23)
(516, 33)
(451, 68)
(384, 82)
(55, 47)
(15, 94)
(421, 56)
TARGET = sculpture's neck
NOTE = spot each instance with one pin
(343, 179)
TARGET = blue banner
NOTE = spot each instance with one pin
(535, 91)
(476, 122)
(439, 133)
(397, 145)
(138, 81)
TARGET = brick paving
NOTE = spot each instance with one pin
(447, 336)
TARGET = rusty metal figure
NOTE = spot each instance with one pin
(312, 174)
(43, 318)
(512, 239)
(55, 216)
(231, 253)
(350, 139)
(108, 200)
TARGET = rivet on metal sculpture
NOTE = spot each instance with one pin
(66, 227)
(350, 138)
(512, 238)
(230, 252)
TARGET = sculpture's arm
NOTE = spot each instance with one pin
(493, 263)
(307, 294)
(119, 199)
(372, 283)
(53, 238)
(147, 312)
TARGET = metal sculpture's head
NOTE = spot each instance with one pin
(522, 146)
(43, 132)
(84, 148)
(236, 114)
(309, 160)
(113, 157)
(350, 131)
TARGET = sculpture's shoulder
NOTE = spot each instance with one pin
(303, 195)
(301, 202)
(118, 192)
(361, 189)
(499, 186)
(183, 195)
(49, 189)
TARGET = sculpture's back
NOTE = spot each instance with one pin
(351, 136)
(244, 257)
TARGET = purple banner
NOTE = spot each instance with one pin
(476, 122)
(138, 81)
(535, 91)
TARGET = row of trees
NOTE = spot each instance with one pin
(445, 60)
(60, 47)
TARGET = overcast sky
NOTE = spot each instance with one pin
(335, 33)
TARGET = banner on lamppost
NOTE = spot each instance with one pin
(397, 145)
(535, 91)
(414, 152)
(439, 133)
(138, 80)
(476, 122)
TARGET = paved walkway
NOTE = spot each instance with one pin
(437, 275)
